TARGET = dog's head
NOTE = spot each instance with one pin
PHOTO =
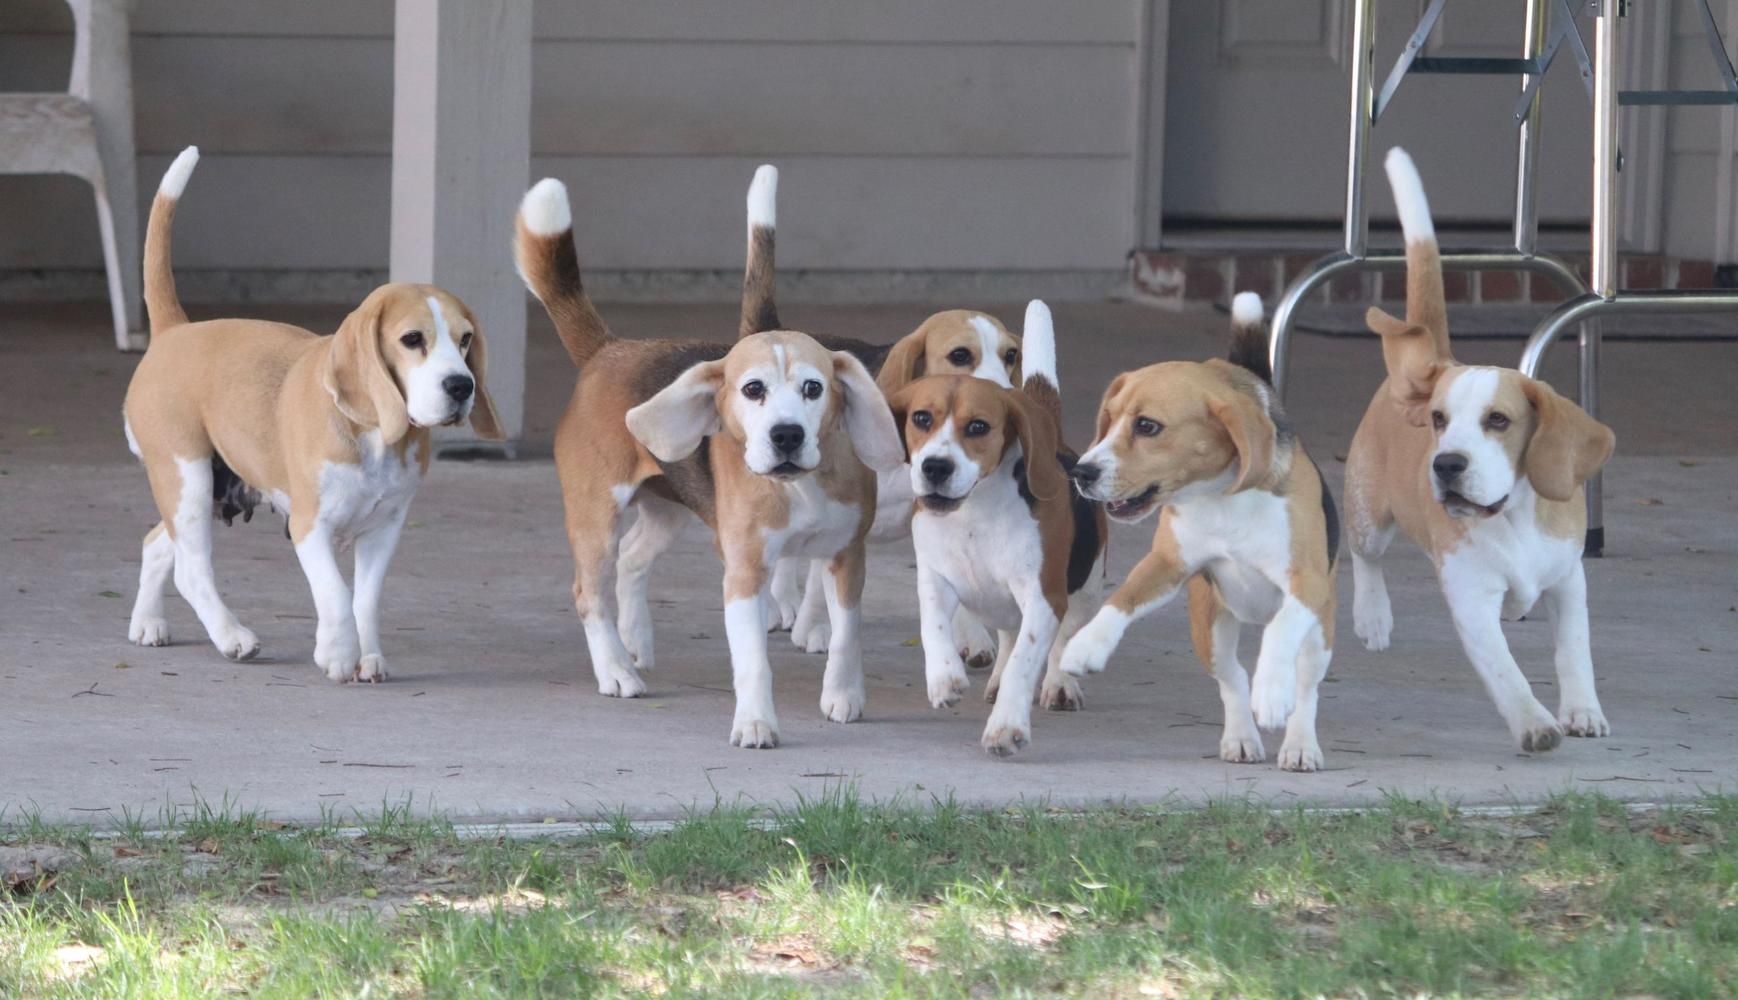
(956, 342)
(1495, 427)
(960, 430)
(410, 355)
(781, 395)
(1176, 430)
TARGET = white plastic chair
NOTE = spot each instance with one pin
(88, 132)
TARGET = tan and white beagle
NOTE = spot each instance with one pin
(1247, 524)
(332, 431)
(957, 341)
(765, 441)
(998, 531)
(1482, 468)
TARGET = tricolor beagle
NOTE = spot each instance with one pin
(998, 531)
(1482, 468)
(766, 441)
(333, 431)
(1247, 524)
(957, 341)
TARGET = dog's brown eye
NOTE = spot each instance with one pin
(465, 342)
(1148, 427)
(412, 340)
(1438, 421)
(1497, 421)
(812, 389)
(1011, 357)
(960, 356)
(977, 428)
(921, 420)
(754, 390)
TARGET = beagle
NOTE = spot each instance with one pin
(765, 441)
(998, 531)
(1246, 523)
(958, 341)
(332, 431)
(1482, 468)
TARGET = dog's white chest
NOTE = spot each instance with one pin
(819, 525)
(356, 499)
(1511, 546)
(984, 550)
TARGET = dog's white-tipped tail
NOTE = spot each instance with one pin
(1038, 343)
(763, 199)
(175, 178)
(1246, 309)
(545, 209)
(1409, 197)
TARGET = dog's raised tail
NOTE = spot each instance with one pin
(1425, 303)
(549, 265)
(1249, 336)
(1038, 359)
(161, 301)
(759, 304)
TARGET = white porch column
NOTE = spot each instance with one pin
(461, 159)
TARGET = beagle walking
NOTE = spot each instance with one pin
(765, 441)
(998, 531)
(1482, 468)
(332, 431)
(1247, 525)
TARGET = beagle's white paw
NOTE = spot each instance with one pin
(1272, 696)
(754, 734)
(977, 644)
(781, 611)
(372, 669)
(812, 637)
(1061, 694)
(238, 643)
(1241, 747)
(1007, 733)
(1090, 649)
(1583, 721)
(1301, 755)
(1373, 620)
(636, 633)
(337, 654)
(621, 682)
(149, 632)
(946, 684)
(844, 705)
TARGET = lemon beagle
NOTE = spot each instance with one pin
(1482, 468)
(765, 441)
(333, 431)
(958, 341)
(998, 531)
(1247, 524)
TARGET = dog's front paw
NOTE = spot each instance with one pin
(1006, 734)
(637, 639)
(1373, 621)
(621, 682)
(754, 734)
(1272, 700)
(1061, 694)
(1300, 755)
(149, 632)
(977, 645)
(782, 611)
(337, 654)
(1539, 738)
(946, 685)
(1089, 650)
(238, 643)
(1583, 721)
(812, 637)
(1241, 747)
(372, 669)
(844, 705)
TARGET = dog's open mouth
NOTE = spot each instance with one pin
(1459, 506)
(1133, 507)
(938, 504)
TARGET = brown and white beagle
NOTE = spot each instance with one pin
(1482, 468)
(1246, 523)
(999, 532)
(333, 431)
(765, 441)
(957, 341)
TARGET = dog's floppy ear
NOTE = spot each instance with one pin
(904, 364)
(1567, 445)
(1252, 434)
(483, 419)
(900, 404)
(1104, 407)
(1037, 431)
(357, 377)
(1414, 360)
(868, 420)
(684, 413)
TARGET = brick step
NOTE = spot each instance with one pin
(1165, 277)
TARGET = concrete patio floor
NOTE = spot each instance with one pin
(491, 712)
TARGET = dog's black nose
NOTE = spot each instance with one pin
(786, 438)
(458, 387)
(937, 470)
(1084, 474)
(1448, 465)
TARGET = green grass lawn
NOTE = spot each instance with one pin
(1578, 898)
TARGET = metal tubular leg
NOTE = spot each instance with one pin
(1527, 138)
(1358, 141)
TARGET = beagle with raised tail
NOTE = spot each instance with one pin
(772, 442)
(1482, 468)
(957, 341)
(1246, 524)
(332, 431)
(998, 531)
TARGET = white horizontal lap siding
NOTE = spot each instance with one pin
(913, 135)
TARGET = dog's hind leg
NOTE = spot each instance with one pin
(1061, 691)
(1215, 631)
(149, 627)
(787, 593)
(811, 631)
(594, 529)
(190, 528)
(1004, 649)
(656, 529)
(842, 686)
(977, 646)
(373, 554)
(1300, 751)
(1578, 710)
(1369, 530)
